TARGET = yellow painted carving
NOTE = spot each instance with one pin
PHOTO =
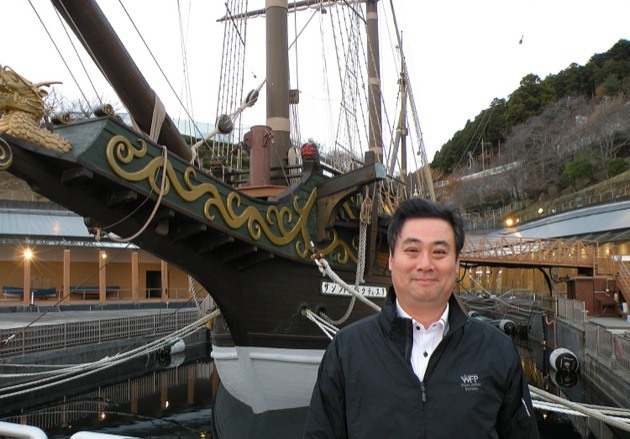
(120, 150)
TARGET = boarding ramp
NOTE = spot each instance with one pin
(544, 253)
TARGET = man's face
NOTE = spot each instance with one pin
(423, 263)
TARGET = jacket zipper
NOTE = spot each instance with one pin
(423, 390)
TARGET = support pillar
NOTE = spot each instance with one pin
(164, 277)
(65, 287)
(26, 294)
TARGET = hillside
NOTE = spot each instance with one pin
(550, 139)
(12, 188)
(605, 75)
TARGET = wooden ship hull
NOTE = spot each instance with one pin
(253, 256)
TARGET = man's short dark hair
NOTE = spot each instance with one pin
(423, 208)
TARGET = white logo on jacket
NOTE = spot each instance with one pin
(470, 382)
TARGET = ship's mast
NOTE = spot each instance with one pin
(277, 85)
(375, 138)
(401, 130)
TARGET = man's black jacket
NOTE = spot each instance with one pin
(474, 385)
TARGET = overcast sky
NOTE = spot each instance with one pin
(461, 53)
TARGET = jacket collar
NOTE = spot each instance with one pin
(395, 326)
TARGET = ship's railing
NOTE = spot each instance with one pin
(22, 341)
(610, 348)
(572, 311)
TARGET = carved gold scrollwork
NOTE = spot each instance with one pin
(6, 155)
(280, 225)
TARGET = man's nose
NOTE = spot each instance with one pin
(424, 262)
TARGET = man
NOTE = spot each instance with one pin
(421, 368)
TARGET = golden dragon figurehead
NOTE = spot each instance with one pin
(22, 103)
(18, 93)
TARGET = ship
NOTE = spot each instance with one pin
(290, 247)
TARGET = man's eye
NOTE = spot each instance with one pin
(411, 250)
(439, 252)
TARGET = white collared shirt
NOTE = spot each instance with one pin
(424, 340)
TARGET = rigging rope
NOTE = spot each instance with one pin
(159, 114)
(325, 269)
(327, 328)
(587, 411)
(231, 84)
(99, 230)
(192, 290)
(60, 55)
(158, 66)
(187, 92)
(365, 220)
(560, 408)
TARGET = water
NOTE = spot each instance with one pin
(147, 397)
(568, 386)
(174, 397)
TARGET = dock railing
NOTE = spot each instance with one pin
(23, 341)
(610, 348)
(572, 311)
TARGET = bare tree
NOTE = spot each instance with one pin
(610, 124)
(578, 136)
(75, 108)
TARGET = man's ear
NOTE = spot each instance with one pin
(389, 261)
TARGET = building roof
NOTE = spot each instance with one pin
(46, 224)
(602, 223)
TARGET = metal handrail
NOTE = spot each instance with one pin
(22, 341)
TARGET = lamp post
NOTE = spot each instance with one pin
(102, 276)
